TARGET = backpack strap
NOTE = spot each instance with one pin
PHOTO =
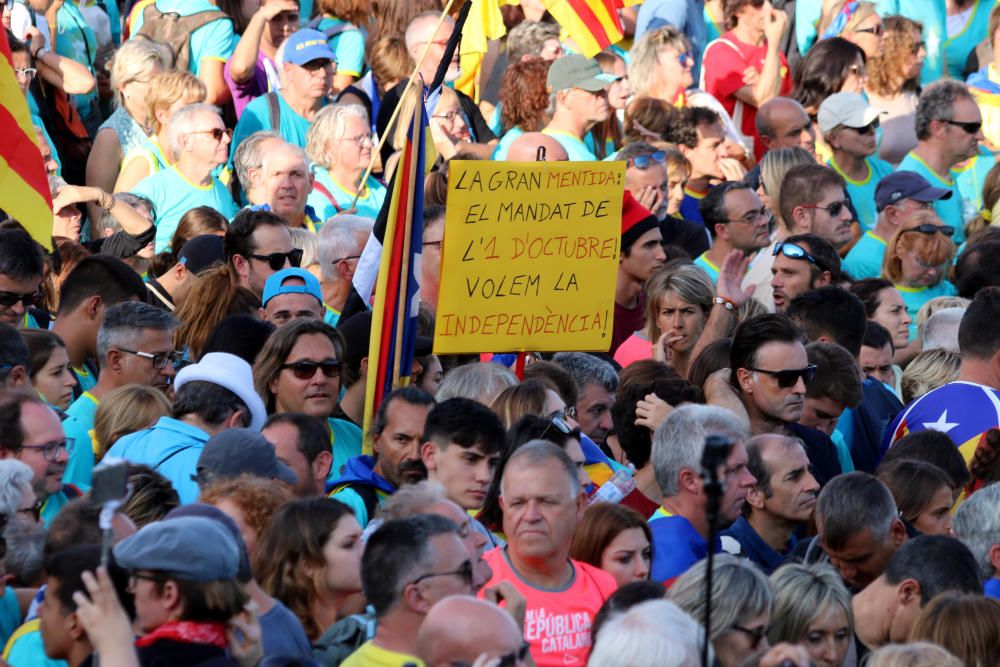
(274, 110)
(322, 189)
(332, 31)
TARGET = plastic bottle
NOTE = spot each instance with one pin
(617, 487)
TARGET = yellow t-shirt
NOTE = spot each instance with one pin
(370, 655)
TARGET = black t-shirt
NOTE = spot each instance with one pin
(121, 244)
(821, 451)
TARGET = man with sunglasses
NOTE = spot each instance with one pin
(580, 91)
(460, 631)
(849, 126)
(737, 220)
(897, 196)
(257, 245)
(134, 346)
(200, 143)
(801, 263)
(22, 265)
(949, 130)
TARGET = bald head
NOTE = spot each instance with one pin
(783, 123)
(460, 629)
(525, 148)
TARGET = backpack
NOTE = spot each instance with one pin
(174, 31)
(332, 31)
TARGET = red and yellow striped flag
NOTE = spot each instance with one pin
(24, 186)
(593, 25)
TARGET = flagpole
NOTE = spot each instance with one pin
(392, 119)
(404, 273)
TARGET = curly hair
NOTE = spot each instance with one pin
(524, 95)
(885, 69)
(258, 499)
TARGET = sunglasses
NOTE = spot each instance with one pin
(969, 127)
(789, 378)
(929, 229)
(916, 46)
(644, 161)
(10, 299)
(686, 59)
(216, 133)
(833, 209)
(756, 635)
(867, 129)
(505, 660)
(876, 30)
(792, 251)
(560, 425)
(305, 370)
(276, 260)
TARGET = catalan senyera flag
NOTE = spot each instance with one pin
(24, 186)
(485, 23)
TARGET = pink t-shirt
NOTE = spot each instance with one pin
(557, 622)
(635, 348)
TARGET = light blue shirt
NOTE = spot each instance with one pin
(701, 261)
(958, 48)
(173, 196)
(970, 180)
(862, 193)
(951, 210)
(74, 39)
(212, 41)
(78, 425)
(575, 148)
(688, 16)
(257, 116)
(348, 47)
(345, 442)
(369, 203)
(865, 258)
(171, 448)
(503, 146)
(915, 297)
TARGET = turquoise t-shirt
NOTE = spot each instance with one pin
(503, 146)
(25, 648)
(575, 148)
(348, 47)
(84, 376)
(257, 116)
(78, 426)
(712, 270)
(74, 39)
(958, 47)
(865, 258)
(369, 203)
(915, 297)
(173, 196)
(970, 179)
(151, 152)
(843, 452)
(10, 614)
(345, 441)
(951, 210)
(212, 41)
(862, 193)
(714, 26)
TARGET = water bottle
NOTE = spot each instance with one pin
(617, 487)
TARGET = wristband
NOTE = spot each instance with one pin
(726, 303)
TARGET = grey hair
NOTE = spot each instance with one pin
(123, 324)
(654, 633)
(337, 239)
(288, 148)
(329, 125)
(416, 27)
(937, 102)
(977, 524)
(412, 499)
(25, 552)
(481, 382)
(133, 59)
(306, 241)
(181, 120)
(587, 369)
(851, 503)
(740, 591)
(536, 452)
(15, 480)
(107, 221)
(803, 594)
(645, 55)
(679, 441)
(913, 654)
(941, 329)
(248, 155)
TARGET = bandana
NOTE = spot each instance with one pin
(188, 632)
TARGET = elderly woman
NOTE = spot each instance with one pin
(741, 607)
(132, 72)
(916, 260)
(17, 496)
(339, 143)
(812, 608)
(168, 92)
(894, 83)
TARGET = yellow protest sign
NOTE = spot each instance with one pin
(530, 256)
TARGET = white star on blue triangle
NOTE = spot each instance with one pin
(942, 424)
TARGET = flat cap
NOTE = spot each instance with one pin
(188, 548)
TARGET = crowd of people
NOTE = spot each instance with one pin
(787, 455)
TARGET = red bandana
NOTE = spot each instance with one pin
(190, 632)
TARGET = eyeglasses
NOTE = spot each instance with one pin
(867, 129)
(788, 378)
(560, 425)
(216, 132)
(319, 65)
(930, 229)
(50, 450)
(753, 217)
(969, 127)
(916, 46)
(755, 635)
(9, 299)
(276, 260)
(877, 30)
(464, 571)
(506, 660)
(433, 244)
(134, 576)
(160, 359)
(361, 140)
(26, 72)
(305, 370)
(344, 259)
(644, 161)
(33, 513)
(448, 115)
(833, 209)
(792, 251)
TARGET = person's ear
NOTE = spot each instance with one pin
(171, 595)
(322, 464)
(18, 377)
(262, 314)
(822, 280)
(74, 628)
(802, 218)
(994, 554)
(180, 271)
(114, 360)
(897, 533)
(690, 481)
(428, 454)
(94, 307)
(241, 265)
(364, 366)
(235, 420)
(744, 377)
(755, 497)
(908, 592)
(414, 598)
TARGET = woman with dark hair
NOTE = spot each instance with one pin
(884, 305)
(51, 374)
(616, 539)
(922, 492)
(524, 99)
(607, 135)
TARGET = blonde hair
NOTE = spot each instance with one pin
(168, 87)
(773, 167)
(687, 281)
(644, 57)
(132, 60)
(306, 241)
(929, 370)
(935, 249)
(913, 654)
(329, 125)
(675, 161)
(991, 203)
(936, 304)
(861, 13)
(126, 410)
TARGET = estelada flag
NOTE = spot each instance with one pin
(24, 186)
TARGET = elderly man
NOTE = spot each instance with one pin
(542, 502)
(977, 524)
(940, 331)
(578, 88)
(597, 383)
(307, 65)
(291, 294)
(949, 128)
(462, 630)
(285, 184)
(248, 161)
(680, 526)
(525, 148)
(340, 248)
(200, 142)
(783, 123)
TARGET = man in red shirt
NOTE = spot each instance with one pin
(744, 67)
(542, 502)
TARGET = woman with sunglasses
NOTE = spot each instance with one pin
(299, 371)
(894, 83)
(607, 137)
(857, 22)
(917, 259)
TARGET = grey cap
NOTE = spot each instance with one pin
(578, 71)
(236, 451)
(189, 548)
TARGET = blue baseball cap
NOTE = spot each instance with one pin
(275, 285)
(307, 45)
